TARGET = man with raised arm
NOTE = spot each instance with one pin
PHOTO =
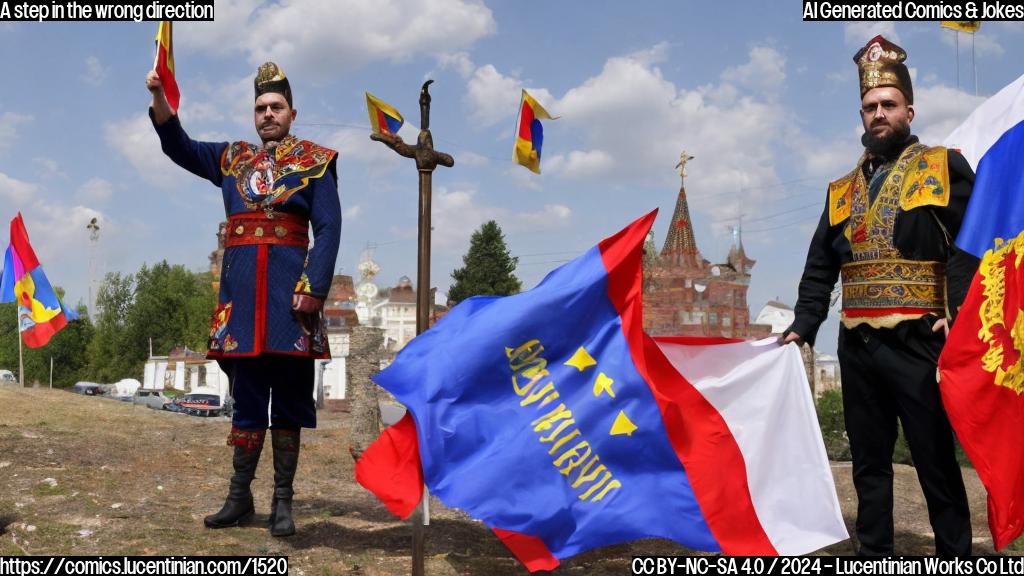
(267, 329)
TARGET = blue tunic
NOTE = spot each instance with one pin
(254, 314)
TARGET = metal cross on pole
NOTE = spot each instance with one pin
(426, 160)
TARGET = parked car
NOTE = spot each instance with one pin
(154, 399)
(196, 405)
(88, 389)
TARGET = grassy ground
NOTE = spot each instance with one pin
(89, 476)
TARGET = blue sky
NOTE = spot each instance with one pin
(765, 102)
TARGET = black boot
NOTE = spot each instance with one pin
(238, 507)
(286, 460)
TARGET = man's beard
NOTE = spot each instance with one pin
(886, 146)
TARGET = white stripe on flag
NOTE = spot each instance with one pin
(988, 122)
(761, 391)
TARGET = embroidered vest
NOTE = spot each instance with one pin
(880, 287)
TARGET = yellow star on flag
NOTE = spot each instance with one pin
(622, 425)
(603, 384)
(581, 360)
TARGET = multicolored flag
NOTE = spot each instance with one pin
(40, 312)
(969, 26)
(553, 418)
(529, 133)
(982, 364)
(164, 64)
(383, 117)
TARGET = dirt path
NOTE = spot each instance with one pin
(89, 476)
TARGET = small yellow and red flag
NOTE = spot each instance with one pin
(164, 64)
(969, 26)
(529, 133)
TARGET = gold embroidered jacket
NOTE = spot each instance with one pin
(905, 233)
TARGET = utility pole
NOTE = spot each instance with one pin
(94, 237)
(427, 159)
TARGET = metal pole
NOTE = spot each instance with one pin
(21, 358)
(974, 64)
(427, 159)
(957, 32)
(51, 372)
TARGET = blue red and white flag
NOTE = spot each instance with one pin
(529, 133)
(981, 366)
(384, 119)
(553, 418)
(40, 312)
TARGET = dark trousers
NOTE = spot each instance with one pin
(282, 384)
(889, 374)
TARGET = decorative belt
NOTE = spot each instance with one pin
(258, 228)
(883, 293)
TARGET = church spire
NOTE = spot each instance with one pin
(680, 245)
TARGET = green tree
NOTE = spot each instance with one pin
(487, 268)
(165, 303)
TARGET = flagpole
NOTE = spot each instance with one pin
(957, 59)
(21, 359)
(974, 64)
(427, 159)
(51, 372)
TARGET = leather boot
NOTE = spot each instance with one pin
(238, 506)
(286, 460)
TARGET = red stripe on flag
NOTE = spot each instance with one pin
(390, 468)
(22, 247)
(382, 122)
(40, 334)
(700, 436)
(529, 550)
(525, 121)
(167, 78)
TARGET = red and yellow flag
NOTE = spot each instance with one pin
(529, 133)
(164, 63)
(969, 26)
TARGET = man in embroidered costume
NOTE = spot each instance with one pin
(888, 230)
(267, 329)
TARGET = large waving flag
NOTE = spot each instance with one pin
(982, 368)
(529, 133)
(164, 64)
(969, 26)
(383, 117)
(40, 312)
(553, 418)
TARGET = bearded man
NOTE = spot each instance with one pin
(888, 229)
(267, 330)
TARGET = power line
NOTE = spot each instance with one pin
(770, 216)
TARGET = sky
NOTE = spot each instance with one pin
(766, 103)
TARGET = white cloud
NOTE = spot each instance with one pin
(765, 71)
(493, 97)
(939, 109)
(96, 191)
(857, 34)
(580, 164)
(49, 169)
(984, 44)
(459, 61)
(634, 123)
(95, 72)
(9, 122)
(352, 212)
(135, 139)
(15, 192)
(457, 213)
(339, 34)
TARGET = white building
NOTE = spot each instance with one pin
(826, 367)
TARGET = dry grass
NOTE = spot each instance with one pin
(89, 476)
